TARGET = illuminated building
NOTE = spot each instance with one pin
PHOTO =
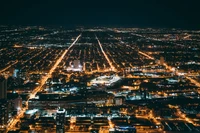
(105, 80)
(60, 121)
(75, 66)
(123, 129)
(17, 103)
(15, 73)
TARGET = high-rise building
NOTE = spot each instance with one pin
(60, 121)
(3, 87)
(17, 103)
(3, 112)
(15, 73)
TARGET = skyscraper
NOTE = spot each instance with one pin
(3, 87)
(60, 121)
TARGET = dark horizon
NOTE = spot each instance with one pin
(151, 13)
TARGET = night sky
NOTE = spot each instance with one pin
(113, 13)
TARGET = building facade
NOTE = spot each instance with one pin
(60, 121)
(3, 87)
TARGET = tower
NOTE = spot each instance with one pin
(60, 121)
(3, 87)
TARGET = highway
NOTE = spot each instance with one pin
(105, 55)
(142, 53)
(12, 124)
(6, 68)
(194, 82)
